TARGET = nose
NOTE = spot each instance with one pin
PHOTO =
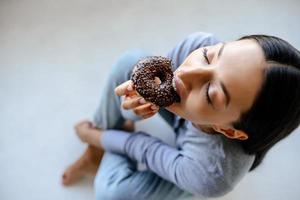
(195, 75)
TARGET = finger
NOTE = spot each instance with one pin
(132, 94)
(124, 88)
(130, 90)
(142, 110)
(154, 107)
(148, 115)
(145, 109)
(131, 103)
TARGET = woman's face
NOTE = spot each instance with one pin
(218, 83)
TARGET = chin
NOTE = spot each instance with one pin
(174, 108)
(177, 110)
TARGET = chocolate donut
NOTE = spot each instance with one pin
(143, 77)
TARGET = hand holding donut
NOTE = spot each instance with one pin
(151, 79)
(134, 101)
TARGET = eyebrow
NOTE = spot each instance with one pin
(222, 84)
(221, 50)
(226, 93)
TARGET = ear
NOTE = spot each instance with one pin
(231, 132)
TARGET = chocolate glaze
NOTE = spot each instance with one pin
(143, 77)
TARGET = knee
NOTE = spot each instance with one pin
(131, 57)
(110, 191)
(109, 185)
(124, 65)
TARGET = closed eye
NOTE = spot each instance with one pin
(205, 55)
(206, 93)
(207, 87)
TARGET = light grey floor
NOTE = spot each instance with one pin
(55, 55)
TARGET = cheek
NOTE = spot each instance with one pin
(199, 112)
(197, 109)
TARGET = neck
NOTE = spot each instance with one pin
(206, 128)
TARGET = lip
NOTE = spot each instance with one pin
(179, 86)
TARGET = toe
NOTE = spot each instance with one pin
(65, 179)
(71, 176)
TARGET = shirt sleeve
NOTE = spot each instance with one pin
(189, 44)
(168, 162)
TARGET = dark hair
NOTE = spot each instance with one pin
(276, 109)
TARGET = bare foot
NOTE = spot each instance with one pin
(89, 161)
(87, 164)
(88, 133)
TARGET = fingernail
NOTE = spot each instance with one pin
(142, 101)
(129, 88)
(154, 107)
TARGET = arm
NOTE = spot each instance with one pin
(131, 101)
(189, 44)
(169, 163)
(131, 108)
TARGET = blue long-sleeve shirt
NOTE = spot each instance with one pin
(207, 165)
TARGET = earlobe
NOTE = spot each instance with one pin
(231, 132)
(241, 135)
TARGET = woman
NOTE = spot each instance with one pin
(237, 100)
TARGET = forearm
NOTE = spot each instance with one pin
(158, 157)
(114, 140)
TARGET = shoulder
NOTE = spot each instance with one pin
(189, 44)
(202, 38)
(221, 161)
(198, 39)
